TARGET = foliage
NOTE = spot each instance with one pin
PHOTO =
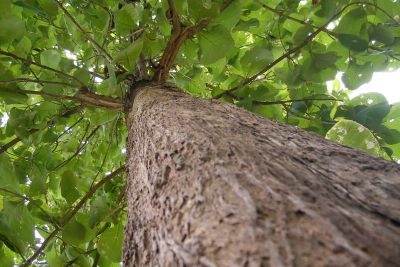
(66, 69)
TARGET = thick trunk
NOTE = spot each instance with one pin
(210, 184)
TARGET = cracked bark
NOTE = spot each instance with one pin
(210, 184)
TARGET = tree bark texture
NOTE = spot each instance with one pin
(210, 184)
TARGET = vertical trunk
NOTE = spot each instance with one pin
(210, 184)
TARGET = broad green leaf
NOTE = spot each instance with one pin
(356, 75)
(246, 25)
(54, 259)
(255, 59)
(302, 33)
(10, 237)
(392, 119)
(11, 27)
(23, 47)
(382, 34)
(110, 243)
(130, 54)
(125, 19)
(50, 58)
(68, 186)
(11, 97)
(215, 44)
(8, 178)
(6, 257)
(98, 211)
(353, 42)
(49, 7)
(230, 16)
(324, 60)
(352, 31)
(74, 233)
(353, 134)
(200, 9)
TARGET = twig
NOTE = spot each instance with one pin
(70, 215)
(26, 80)
(86, 98)
(98, 46)
(80, 148)
(40, 65)
(281, 102)
(285, 55)
(55, 223)
(15, 141)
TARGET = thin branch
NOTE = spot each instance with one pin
(40, 65)
(73, 212)
(86, 98)
(55, 223)
(10, 144)
(26, 80)
(179, 35)
(76, 23)
(17, 139)
(282, 14)
(285, 55)
(79, 150)
(282, 102)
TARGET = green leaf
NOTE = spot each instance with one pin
(68, 186)
(356, 75)
(230, 16)
(6, 257)
(54, 259)
(255, 59)
(98, 211)
(215, 44)
(50, 58)
(353, 42)
(11, 27)
(125, 19)
(382, 34)
(246, 25)
(11, 97)
(324, 60)
(353, 134)
(130, 54)
(74, 233)
(200, 9)
(302, 34)
(8, 179)
(49, 7)
(110, 243)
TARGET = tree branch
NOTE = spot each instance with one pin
(79, 150)
(282, 14)
(17, 139)
(179, 35)
(27, 80)
(93, 41)
(55, 223)
(71, 214)
(40, 65)
(281, 102)
(86, 98)
(287, 54)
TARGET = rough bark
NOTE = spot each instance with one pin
(210, 184)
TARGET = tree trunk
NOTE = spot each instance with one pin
(210, 184)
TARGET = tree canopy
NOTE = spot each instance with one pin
(67, 69)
